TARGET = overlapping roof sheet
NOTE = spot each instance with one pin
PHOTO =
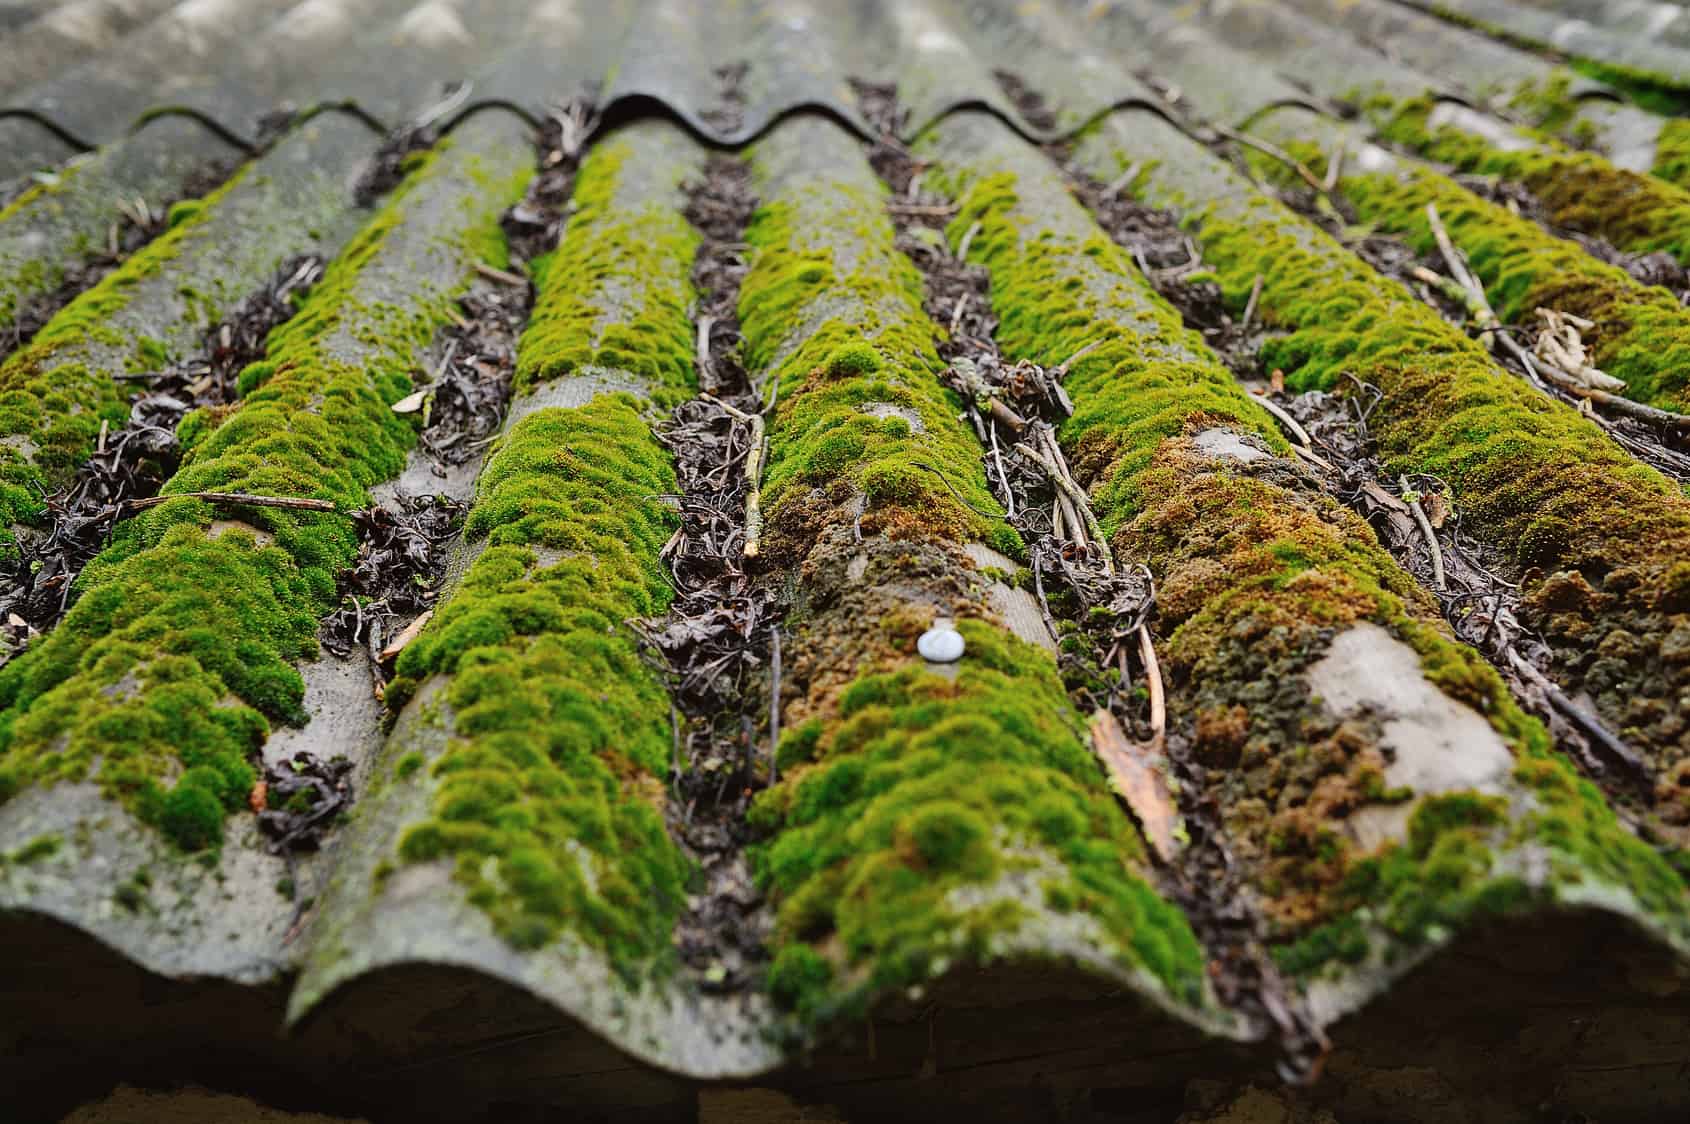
(476, 474)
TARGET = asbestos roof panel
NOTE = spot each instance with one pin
(482, 484)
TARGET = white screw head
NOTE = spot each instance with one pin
(940, 644)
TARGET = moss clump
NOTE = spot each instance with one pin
(923, 794)
(1672, 152)
(837, 319)
(181, 649)
(1057, 290)
(1642, 334)
(1257, 570)
(1580, 190)
(55, 392)
(548, 792)
(579, 321)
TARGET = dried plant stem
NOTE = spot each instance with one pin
(1067, 487)
(753, 493)
(293, 503)
(1425, 525)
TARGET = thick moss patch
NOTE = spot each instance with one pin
(836, 320)
(578, 319)
(1580, 190)
(166, 672)
(1257, 571)
(1642, 335)
(548, 794)
(894, 822)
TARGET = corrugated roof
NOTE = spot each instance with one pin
(484, 482)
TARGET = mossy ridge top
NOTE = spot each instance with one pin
(921, 822)
(1418, 891)
(832, 313)
(53, 224)
(616, 296)
(162, 680)
(1642, 335)
(56, 391)
(1582, 191)
(522, 784)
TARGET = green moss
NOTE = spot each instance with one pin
(878, 844)
(1580, 190)
(56, 391)
(1057, 290)
(548, 793)
(838, 323)
(183, 211)
(1642, 335)
(181, 648)
(1672, 152)
(41, 847)
(578, 321)
(1256, 571)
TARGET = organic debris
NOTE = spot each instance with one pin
(130, 464)
(403, 548)
(302, 798)
(1443, 281)
(721, 631)
(533, 226)
(467, 393)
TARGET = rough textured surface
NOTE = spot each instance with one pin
(976, 308)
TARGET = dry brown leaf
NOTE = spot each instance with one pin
(1134, 774)
(259, 798)
(406, 635)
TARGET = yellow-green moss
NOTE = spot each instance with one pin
(1257, 569)
(56, 391)
(1148, 377)
(1672, 152)
(164, 673)
(548, 793)
(1580, 190)
(839, 325)
(926, 787)
(1642, 334)
(579, 321)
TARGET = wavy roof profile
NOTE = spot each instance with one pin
(487, 487)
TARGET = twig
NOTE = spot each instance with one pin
(1003, 476)
(967, 240)
(293, 503)
(1066, 485)
(943, 479)
(1488, 321)
(1274, 151)
(1122, 181)
(1413, 501)
(753, 494)
(503, 276)
(705, 323)
(1334, 167)
(1153, 675)
(1250, 305)
(1284, 418)
(1060, 371)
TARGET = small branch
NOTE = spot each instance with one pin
(1250, 306)
(1066, 485)
(1121, 182)
(967, 240)
(1153, 674)
(292, 503)
(753, 494)
(1060, 371)
(1334, 167)
(705, 323)
(1413, 501)
(1297, 432)
(1274, 151)
(1478, 304)
(503, 276)
(774, 701)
